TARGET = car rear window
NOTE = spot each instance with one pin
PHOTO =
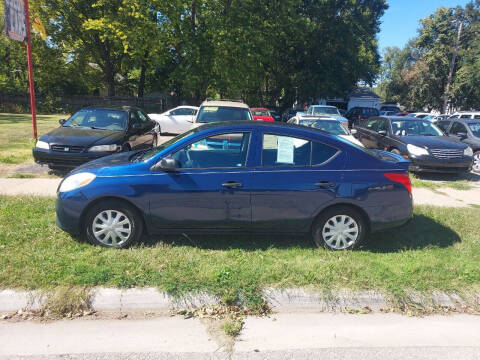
(260, 113)
(208, 114)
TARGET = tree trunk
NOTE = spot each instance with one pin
(110, 79)
(141, 82)
(446, 96)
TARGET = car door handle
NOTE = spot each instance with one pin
(325, 184)
(232, 184)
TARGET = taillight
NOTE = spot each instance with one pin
(403, 179)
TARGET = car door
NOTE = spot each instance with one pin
(295, 177)
(382, 138)
(180, 120)
(367, 133)
(210, 189)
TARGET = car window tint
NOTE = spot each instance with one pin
(321, 153)
(476, 117)
(381, 125)
(371, 124)
(465, 116)
(218, 151)
(142, 117)
(443, 125)
(458, 128)
(285, 151)
(475, 127)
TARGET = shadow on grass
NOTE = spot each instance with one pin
(420, 233)
(468, 176)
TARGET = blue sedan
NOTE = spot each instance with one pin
(237, 177)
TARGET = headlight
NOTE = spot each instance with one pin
(105, 148)
(42, 145)
(416, 150)
(468, 151)
(76, 181)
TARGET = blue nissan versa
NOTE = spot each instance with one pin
(239, 176)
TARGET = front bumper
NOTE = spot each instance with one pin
(64, 159)
(69, 208)
(431, 164)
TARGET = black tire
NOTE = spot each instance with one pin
(118, 209)
(325, 219)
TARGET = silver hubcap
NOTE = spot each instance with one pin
(340, 232)
(476, 162)
(111, 227)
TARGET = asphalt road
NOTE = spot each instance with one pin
(280, 336)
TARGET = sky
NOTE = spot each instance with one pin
(400, 22)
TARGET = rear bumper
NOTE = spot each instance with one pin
(431, 164)
(64, 160)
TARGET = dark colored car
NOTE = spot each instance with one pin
(420, 141)
(393, 108)
(266, 177)
(289, 113)
(357, 114)
(275, 115)
(91, 133)
(466, 131)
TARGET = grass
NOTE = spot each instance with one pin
(16, 140)
(438, 249)
(435, 185)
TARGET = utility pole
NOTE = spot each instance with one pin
(446, 96)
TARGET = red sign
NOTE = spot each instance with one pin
(15, 20)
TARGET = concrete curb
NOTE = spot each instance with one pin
(290, 300)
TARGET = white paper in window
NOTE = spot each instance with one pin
(285, 150)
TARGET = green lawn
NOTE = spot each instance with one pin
(16, 140)
(438, 249)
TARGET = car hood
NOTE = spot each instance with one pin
(79, 136)
(433, 142)
(109, 165)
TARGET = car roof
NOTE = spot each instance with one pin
(256, 124)
(400, 118)
(228, 103)
(265, 109)
(330, 106)
(113, 107)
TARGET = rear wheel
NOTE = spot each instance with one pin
(339, 228)
(476, 162)
(113, 224)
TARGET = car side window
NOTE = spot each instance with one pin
(134, 119)
(218, 151)
(322, 153)
(371, 124)
(458, 128)
(142, 117)
(443, 125)
(466, 116)
(280, 150)
(381, 125)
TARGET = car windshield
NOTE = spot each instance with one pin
(148, 154)
(475, 127)
(208, 114)
(104, 119)
(414, 128)
(260, 113)
(317, 110)
(329, 126)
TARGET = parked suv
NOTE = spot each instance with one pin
(222, 110)
(466, 131)
(356, 114)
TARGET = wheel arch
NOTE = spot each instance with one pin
(357, 208)
(111, 198)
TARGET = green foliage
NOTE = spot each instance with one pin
(263, 51)
(417, 75)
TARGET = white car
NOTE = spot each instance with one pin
(329, 125)
(475, 115)
(176, 120)
(419, 115)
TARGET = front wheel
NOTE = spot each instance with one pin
(113, 224)
(340, 228)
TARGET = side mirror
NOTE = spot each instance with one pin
(462, 135)
(167, 164)
(62, 121)
(382, 132)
